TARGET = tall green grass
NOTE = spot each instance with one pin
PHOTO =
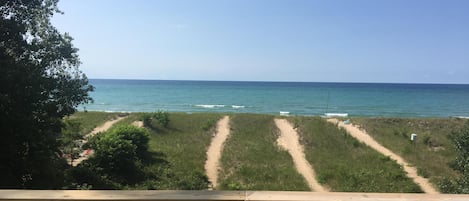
(89, 120)
(179, 150)
(251, 159)
(344, 164)
(433, 151)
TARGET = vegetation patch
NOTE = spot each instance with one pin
(182, 146)
(89, 120)
(433, 151)
(342, 163)
(461, 163)
(160, 117)
(118, 160)
(175, 154)
(251, 159)
(156, 157)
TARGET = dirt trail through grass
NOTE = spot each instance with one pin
(290, 141)
(368, 140)
(103, 128)
(138, 124)
(215, 149)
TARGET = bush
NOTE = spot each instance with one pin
(162, 118)
(84, 177)
(117, 157)
(119, 154)
(461, 164)
(208, 124)
(137, 136)
(146, 119)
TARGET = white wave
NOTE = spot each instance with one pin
(336, 114)
(210, 106)
(114, 111)
(238, 106)
(461, 117)
(284, 113)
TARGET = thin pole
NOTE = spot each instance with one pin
(327, 103)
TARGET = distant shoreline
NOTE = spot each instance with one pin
(278, 114)
(284, 81)
(296, 98)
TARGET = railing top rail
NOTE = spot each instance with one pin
(124, 195)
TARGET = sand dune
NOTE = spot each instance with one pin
(362, 136)
(290, 141)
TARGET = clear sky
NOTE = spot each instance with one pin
(411, 41)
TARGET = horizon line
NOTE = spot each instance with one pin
(284, 81)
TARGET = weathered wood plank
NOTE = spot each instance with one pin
(121, 195)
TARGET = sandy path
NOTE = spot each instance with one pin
(215, 149)
(103, 127)
(87, 153)
(362, 136)
(290, 141)
(138, 124)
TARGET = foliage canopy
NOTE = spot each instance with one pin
(41, 83)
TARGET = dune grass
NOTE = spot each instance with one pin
(251, 159)
(344, 164)
(89, 120)
(179, 151)
(432, 153)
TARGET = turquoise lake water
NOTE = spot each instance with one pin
(298, 98)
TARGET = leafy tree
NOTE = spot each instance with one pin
(41, 83)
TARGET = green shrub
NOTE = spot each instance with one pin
(137, 136)
(461, 164)
(162, 118)
(117, 157)
(208, 124)
(119, 154)
(146, 119)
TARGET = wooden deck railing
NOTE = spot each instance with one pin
(108, 195)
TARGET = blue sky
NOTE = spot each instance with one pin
(410, 41)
